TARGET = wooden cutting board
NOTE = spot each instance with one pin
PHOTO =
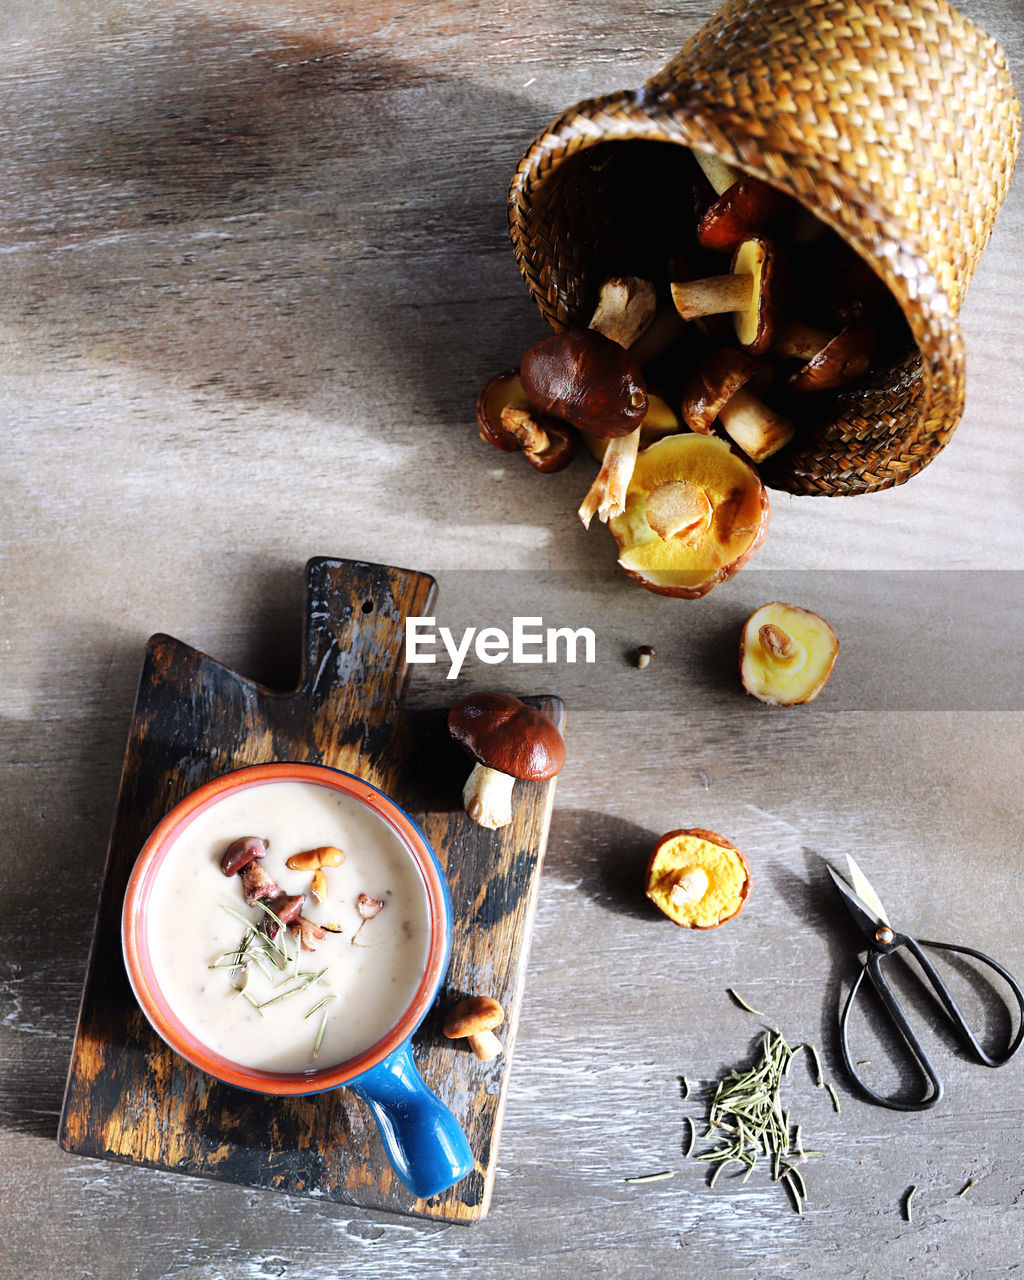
(129, 1097)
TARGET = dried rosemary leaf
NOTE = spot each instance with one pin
(967, 1186)
(908, 1201)
(320, 1033)
(820, 1081)
(651, 1177)
(743, 1004)
(319, 1005)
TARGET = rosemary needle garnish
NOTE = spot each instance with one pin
(907, 1211)
(835, 1096)
(743, 1004)
(693, 1139)
(283, 995)
(967, 1186)
(652, 1177)
(319, 1005)
(320, 1033)
(252, 1000)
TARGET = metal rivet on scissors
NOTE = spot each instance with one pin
(883, 941)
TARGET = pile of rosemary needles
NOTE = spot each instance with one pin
(747, 1118)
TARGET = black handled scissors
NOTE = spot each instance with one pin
(883, 941)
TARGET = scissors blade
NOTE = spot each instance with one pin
(867, 919)
(864, 891)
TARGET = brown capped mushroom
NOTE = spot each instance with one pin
(745, 208)
(587, 380)
(475, 1019)
(625, 310)
(750, 292)
(506, 420)
(509, 740)
(718, 390)
(832, 360)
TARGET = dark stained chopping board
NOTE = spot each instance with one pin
(132, 1099)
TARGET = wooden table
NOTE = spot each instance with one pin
(255, 268)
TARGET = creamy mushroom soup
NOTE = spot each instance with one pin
(271, 1004)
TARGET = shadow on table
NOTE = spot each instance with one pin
(259, 216)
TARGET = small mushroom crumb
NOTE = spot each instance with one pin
(309, 933)
(475, 1019)
(643, 656)
(369, 907)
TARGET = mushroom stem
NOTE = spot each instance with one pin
(676, 508)
(713, 296)
(487, 796)
(690, 886)
(526, 429)
(779, 646)
(606, 497)
(485, 1044)
(625, 309)
(720, 174)
(758, 430)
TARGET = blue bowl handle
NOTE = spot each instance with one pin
(423, 1140)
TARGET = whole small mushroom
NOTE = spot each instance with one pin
(751, 292)
(587, 380)
(786, 654)
(475, 1019)
(506, 419)
(626, 308)
(510, 740)
(718, 390)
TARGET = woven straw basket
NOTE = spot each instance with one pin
(893, 121)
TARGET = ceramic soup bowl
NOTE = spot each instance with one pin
(263, 1013)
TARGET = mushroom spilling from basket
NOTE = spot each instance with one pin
(681, 387)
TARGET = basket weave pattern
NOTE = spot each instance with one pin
(895, 123)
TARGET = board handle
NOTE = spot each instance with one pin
(424, 1142)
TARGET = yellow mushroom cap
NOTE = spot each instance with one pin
(697, 878)
(786, 654)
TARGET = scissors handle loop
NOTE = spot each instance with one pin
(950, 1005)
(895, 1011)
(873, 969)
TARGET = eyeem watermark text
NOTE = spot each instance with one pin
(530, 642)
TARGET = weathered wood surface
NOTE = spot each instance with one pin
(131, 1098)
(255, 268)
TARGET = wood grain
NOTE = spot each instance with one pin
(256, 267)
(131, 1098)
